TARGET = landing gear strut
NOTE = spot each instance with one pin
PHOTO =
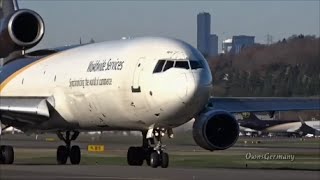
(73, 152)
(154, 156)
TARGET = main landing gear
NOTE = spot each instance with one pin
(6, 152)
(6, 155)
(73, 152)
(154, 156)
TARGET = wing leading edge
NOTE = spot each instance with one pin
(263, 104)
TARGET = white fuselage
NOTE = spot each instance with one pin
(292, 126)
(112, 85)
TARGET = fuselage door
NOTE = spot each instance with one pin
(136, 88)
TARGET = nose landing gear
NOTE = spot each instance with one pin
(154, 156)
(158, 157)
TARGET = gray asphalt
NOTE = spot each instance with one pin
(22, 141)
(144, 173)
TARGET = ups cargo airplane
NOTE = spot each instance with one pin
(147, 84)
(253, 124)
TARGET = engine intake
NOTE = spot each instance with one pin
(216, 130)
(22, 30)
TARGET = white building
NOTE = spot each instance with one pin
(237, 44)
(226, 46)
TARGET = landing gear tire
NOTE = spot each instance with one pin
(164, 160)
(62, 155)
(7, 155)
(148, 154)
(157, 159)
(154, 159)
(140, 156)
(135, 156)
(73, 152)
(130, 156)
(154, 156)
(75, 155)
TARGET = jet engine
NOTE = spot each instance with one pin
(215, 130)
(20, 31)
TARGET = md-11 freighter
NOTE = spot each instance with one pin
(147, 84)
(299, 127)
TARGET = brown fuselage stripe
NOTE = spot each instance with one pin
(3, 85)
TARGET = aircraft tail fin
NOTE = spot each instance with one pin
(250, 116)
(7, 7)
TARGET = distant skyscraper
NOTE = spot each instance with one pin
(203, 32)
(213, 45)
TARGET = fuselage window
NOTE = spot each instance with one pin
(159, 66)
(195, 65)
(182, 64)
(169, 64)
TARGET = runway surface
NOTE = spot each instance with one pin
(47, 169)
(84, 172)
(41, 144)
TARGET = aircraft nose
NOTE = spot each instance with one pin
(198, 89)
(182, 90)
(191, 88)
(181, 85)
(180, 94)
(202, 78)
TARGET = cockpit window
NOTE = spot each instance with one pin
(159, 66)
(169, 64)
(164, 65)
(195, 64)
(182, 64)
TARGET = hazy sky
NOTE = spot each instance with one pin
(67, 21)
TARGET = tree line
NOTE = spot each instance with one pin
(290, 67)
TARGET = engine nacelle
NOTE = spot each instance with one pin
(215, 130)
(22, 30)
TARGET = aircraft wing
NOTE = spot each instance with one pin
(263, 104)
(21, 112)
(293, 130)
(244, 129)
